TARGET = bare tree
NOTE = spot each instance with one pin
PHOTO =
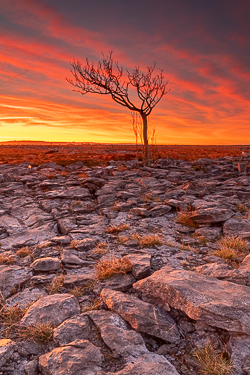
(106, 78)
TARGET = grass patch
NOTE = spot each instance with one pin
(100, 250)
(122, 239)
(184, 219)
(56, 285)
(242, 208)
(211, 362)
(77, 291)
(108, 267)
(23, 252)
(231, 247)
(150, 240)
(11, 316)
(117, 229)
(225, 253)
(42, 333)
(94, 305)
(236, 243)
(7, 259)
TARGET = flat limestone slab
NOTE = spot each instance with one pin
(147, 364)
(218, 303)
(142, 316)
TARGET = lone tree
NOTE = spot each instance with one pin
(106, 78)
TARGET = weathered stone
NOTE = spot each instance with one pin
(142, 316)
(148, 364)
(61, 240)
(141, 264)
(242, 168)
(100, 182)
(71, 258)
(52, 309)
(77, 327)
(66, 224)
(24, 298)
(222, 271)
(52, 215)
(159, 210)
(237, 228)
(79, 357)
(86, 244)
(7, 348)
(245, 266)
(138, 211)
(239, 349)
(12, 277)
(180, 205)
(124, 206)
(208, 233)
(211, 215)
(81, 277)
(31, 236)
(106, 200)
(124, 195)
(71, 192)
(115, 332)
(120, 283)
(32, 367)
(47, 264)
(30, 216)
(41, 279)
(217, 303)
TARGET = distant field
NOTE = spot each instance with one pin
(95, 154)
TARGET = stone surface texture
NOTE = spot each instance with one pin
(218, 303)
(168, 220)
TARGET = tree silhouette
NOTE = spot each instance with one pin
(106, 78)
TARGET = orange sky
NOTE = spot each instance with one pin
(203, 50)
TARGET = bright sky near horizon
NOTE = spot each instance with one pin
(202, 47)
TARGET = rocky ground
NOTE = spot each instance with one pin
(181, 230)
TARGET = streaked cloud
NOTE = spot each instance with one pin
(202, 47)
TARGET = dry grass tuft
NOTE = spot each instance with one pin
(236, 243)
(56, 285)
(211, 362)
(230, 247)
(225, 253)
(122, 239)
(94, 305)
(117, 229)
(11, 316)
(242, 208)
(150, 240)
(7, 259)
(100, 250)
(184, 219)
(40, 332)
(77, 291)
(23, 252)
(111, 266)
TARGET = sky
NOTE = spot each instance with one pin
(202, 47)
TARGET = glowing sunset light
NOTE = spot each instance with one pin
(202, 48)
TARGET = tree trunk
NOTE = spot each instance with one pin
(145, 137)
